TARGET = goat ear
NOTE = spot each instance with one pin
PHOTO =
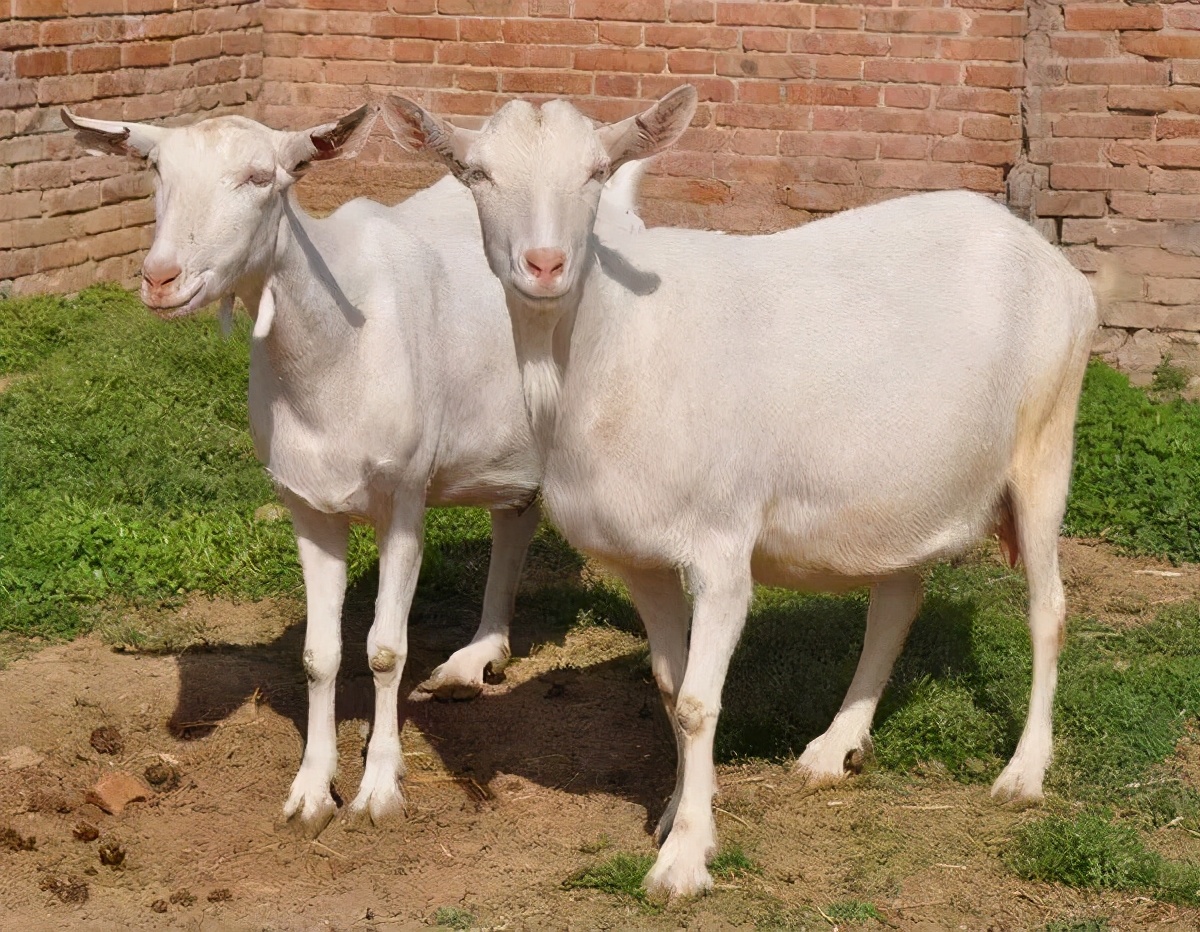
(341, 139)
(106, 137)
(416, 129)
(650, 132)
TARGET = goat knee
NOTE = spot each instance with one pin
(691, 714)
(321, 665)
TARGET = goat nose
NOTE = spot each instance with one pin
(158, 274)
(545, 264)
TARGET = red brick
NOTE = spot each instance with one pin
(1069, 46)
(1098, 178)
(1174, 181)
(682, 61)
(1162, 45)
(691, 37)
(766, 14)
(832, 17)
(96, 59)
(765, 40)
(638, 10)
(1067, 99)
(1110, 126)
(1064, 204)
(841, 43)
(39, 62)
(1169, 128)
(1117, 72)
(638, 61)
(616, 85)
(907, 96)
(991, 127)
(932, 122)
(1108, 16)
(927, 176)
(411, 27)
(981, 49)
(18, 35)
(1154, 99)
(627, 34)
(995, 75)
(1155, 207)
(692, 11)
(38, 9)
(546, 82)
(923, 21)
(997, 24)
(548, 32)
(762, 116)
(833, 95)
(1185, 72)
(901, 72)
(896, 146)
(786, 67)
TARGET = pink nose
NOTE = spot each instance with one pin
(545, 264)
(160, 274)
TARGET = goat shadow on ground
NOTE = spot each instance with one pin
(599, 728)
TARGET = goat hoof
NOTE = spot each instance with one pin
(310, 821)
(1016, 789)
(375, 808)
(678, 874)
(441, 685)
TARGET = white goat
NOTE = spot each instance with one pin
(382, 380)
(828, 407)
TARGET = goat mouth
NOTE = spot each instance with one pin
(175, 308)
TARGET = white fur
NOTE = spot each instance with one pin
(382, 379)
(827, 407)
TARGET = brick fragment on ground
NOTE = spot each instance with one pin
(114, 791)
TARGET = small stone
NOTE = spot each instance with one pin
(67, 889)
(159, 906)
(85, 831)
(112, 854)
(1108, 340)
(114, 791)
(220, 895)
(162, 776)
(107, 740)
(21, 758)
(183, 897)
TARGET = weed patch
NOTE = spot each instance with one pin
(622, 874)
(1092, 852)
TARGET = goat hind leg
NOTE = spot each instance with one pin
(1038, 488)
(830, 756)
(461, 676)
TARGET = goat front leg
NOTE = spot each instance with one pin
(400, 539)
(321, 539)
(721, 598)
(461, 676)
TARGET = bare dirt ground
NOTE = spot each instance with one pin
(562, 764)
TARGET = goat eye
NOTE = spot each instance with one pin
(260, 179)
(474, 176)
(600, 174)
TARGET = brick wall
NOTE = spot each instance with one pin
(67, 219)
(1085, 117)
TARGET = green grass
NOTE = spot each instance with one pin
(621, 875)
(1137, 469)
(127, 472)
(730, 862)
(1090, 851)
(852, 911)
(452, 917)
